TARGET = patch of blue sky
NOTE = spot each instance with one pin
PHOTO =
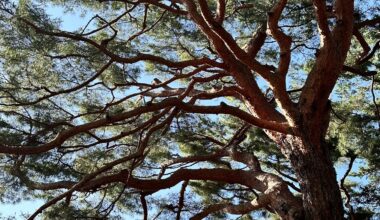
(70, 20)
(19, 210)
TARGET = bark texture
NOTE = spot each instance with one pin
(317, 177)
(316, 174)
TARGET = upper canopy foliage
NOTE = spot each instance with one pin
(142, 95)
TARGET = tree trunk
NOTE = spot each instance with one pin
(316, 174)
(310, 158)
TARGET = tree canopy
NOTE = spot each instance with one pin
(181, 109)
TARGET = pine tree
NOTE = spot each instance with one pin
(191, 109)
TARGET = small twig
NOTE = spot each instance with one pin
(109, 209)
(144, 205)
(370, 55)
(347, 204)
(337, 115)
(181, 199)
(374, 101)
(358, 71)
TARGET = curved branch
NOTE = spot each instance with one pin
(240, 209)
(181, 199)
(348, 205)
(283, 40)
(322, 78)
(170, 102)
(75, 186)
(117, 58)
(144, 205)
(370, 55)
(363, 43)
(239, 62)
(256, 42)
(274, 189)
(156, 3)
(321, 15)
(357, 71)
(221, 11)
(370, 22)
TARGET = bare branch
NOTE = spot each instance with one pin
(221, 11)
(181, 199)
(258, 39)
(348, 197)
(321, 15)
(363, 43)
(283, 40)
(358, 71)
(230, 208)
(371, 54)
(370, 22)
(144, 205)
(117, 58)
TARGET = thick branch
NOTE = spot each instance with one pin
(358, 71)
(274, 190)
(240, 209)
(363, 43)
(370, 22)
(321, 15)
(170, 102)
(239, 62)
(256, 42)
(326, 70)
(221, 11)
(284, 42)
(181, 199)
(371, 54)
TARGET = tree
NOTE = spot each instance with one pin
(233, 99)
